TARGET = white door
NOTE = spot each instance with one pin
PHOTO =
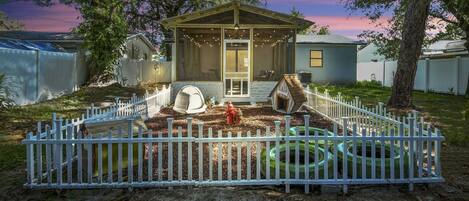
(236, 68)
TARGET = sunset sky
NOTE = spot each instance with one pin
(61, 18)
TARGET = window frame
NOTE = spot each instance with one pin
(311, 58)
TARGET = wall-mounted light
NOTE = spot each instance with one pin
(236, 27)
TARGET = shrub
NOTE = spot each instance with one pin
(369, 84)
(5, 93)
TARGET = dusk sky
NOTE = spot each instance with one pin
(61, 18)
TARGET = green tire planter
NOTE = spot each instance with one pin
(301, 132)
(369, 161)
(283, 165)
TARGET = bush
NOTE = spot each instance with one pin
(5, 93)
(369, 84)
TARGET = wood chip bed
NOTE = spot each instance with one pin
(254, 117)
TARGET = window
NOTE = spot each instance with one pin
(315, 58)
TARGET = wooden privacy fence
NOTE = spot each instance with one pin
(198, 156)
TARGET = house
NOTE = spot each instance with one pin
(234, 51)
(288, 95)
(327, 58)
(445, 49)
(369, 53)
(443, 67)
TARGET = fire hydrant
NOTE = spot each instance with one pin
(230, 114)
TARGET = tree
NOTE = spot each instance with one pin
(390, 41)
(456, 14)
(7, 24)
(442, 24)
(305, 29)
(410, 47)
(104, 31)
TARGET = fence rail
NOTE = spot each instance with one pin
(203, 157)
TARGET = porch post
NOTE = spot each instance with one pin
(174, 56)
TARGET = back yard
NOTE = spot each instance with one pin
(445, 111)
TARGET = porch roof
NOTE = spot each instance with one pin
(235, 13)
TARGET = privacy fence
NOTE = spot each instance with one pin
(132, 72)
(445, 75)
(193, 155)
(39, 75)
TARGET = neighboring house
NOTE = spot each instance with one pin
(60, 60)
(329, 58)
(369, 54)
(234, 51)
(445, 49)
(443, 67)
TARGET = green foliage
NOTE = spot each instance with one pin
(368, 84)
(5, 93)
(7, 24)
(104, 30)
(305, 29)
(448, 20)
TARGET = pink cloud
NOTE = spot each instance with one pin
(350, 23)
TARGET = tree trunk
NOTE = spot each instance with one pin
(413, 34)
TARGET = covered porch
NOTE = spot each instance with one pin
(233, 51)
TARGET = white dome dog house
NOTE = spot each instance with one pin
(189, 100)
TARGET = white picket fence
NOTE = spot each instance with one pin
(376, 119)
(208, 158)
(144, 107)
(374, 149)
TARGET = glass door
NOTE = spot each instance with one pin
(236, 71)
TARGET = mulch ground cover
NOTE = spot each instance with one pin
(232, 154)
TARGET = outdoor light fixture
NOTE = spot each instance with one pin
(236, 27)
(156, 67)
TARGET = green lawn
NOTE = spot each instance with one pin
(445, 111)
(17, 121)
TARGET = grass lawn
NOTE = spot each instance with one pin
(18, 120)
(443, 110)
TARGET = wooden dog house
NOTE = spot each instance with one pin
(288, 95)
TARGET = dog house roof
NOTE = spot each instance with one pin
(295, 88)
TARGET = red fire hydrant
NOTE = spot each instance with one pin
(230, 113)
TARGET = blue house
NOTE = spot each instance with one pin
(326, 58)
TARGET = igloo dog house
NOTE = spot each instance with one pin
(189, 100)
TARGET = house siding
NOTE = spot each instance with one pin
(208, 89)
(339, 63)
(260, 91)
